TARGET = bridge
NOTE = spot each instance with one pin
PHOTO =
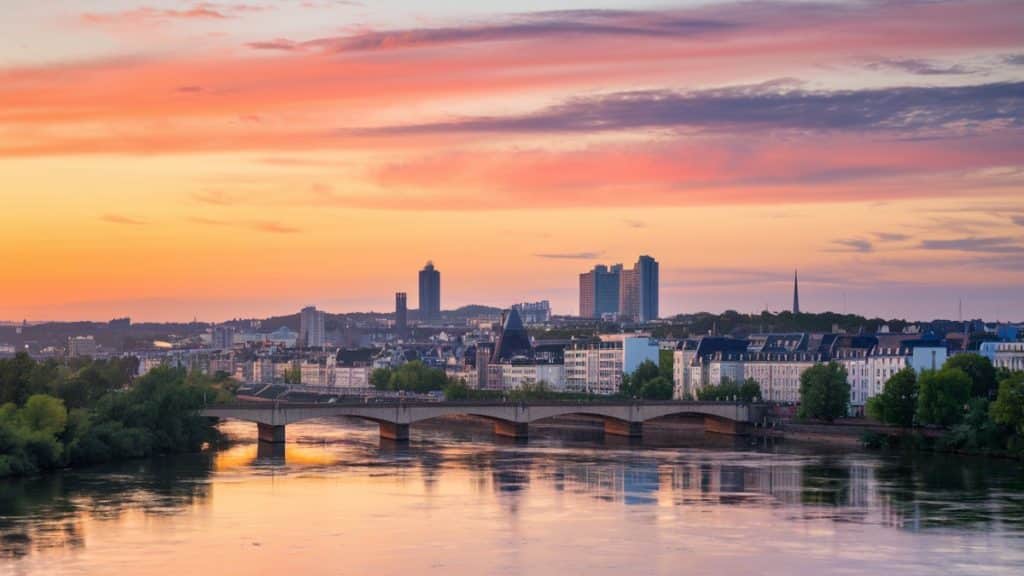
(509, 419)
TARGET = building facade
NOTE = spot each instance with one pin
(311, 327)
(597, 367)
(534, 312)
(1009, 355)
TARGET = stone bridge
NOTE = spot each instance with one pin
(510, 419)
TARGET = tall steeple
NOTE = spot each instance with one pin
(796, 294)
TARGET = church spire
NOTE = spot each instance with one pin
(796, 294)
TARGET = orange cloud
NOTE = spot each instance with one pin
(711, 170)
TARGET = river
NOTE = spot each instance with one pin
(337, 500)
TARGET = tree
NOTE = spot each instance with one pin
(15, 378)
(1008, 408)
(750, 390)
(728, 390)
(897, 403)
(44, 414)
(666, 363)
(980, 371)
(457, 390)
(380, 378)
(646, 382)
(412, 376)
(824, 392)
(942, 396)
(293, 375)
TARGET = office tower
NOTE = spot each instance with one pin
(599, 291)
(430, 294)
(638, 291)
(401, 320)
(646, 278)
(796, 294)
(311, 328)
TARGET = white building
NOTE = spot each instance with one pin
(597, 367)
(778, 373)
(514, 375)
(1009, 355)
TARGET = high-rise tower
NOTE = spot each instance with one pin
(400, 314)
(796, 294)
(430, 294)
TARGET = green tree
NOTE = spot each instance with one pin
(666, 364)
(293, 375)
(457, 390)
(897, 403)
(824, 392)
(942, 396)
(646, 382)
(1008, 408)
(44, 414)
(15, 378)
(750, 390)
(381, 378)
(980, 371)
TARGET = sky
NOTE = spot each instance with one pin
(178, 160)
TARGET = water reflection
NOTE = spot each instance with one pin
(44, 513)
(578, 480)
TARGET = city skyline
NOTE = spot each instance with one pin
(166, 162)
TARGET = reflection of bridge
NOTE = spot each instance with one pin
(510, 419)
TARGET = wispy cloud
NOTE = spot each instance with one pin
(892, 236)
(985, 244)
(634, 223)
(570, 255)
(851, 245)
(921, 67)
(121, 219)
(1018, 219)
(149, 15)
(215, 197)
(257, 225)
(525, 27)
(761, 106)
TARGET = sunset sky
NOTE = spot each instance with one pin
(171, 160)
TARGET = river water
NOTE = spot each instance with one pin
(337, 500)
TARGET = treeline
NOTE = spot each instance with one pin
(412, 376)
(90, 412)
(980, 408)
(747, 391)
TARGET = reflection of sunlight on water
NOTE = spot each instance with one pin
(246, 455)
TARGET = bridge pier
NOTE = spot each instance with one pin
(617, 427)
(723, 426)
(270, 433)
(509, 429)
(396, 432)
